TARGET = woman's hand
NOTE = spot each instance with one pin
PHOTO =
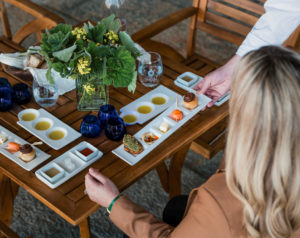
(217, 83)
(99, 188)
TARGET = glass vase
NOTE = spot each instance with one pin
(91, 94)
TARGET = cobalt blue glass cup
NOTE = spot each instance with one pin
(21, 93)
(5, 99)
(115, 129)
(90, 126)
(4, 83)
(106, 112)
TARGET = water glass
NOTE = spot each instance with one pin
(21, 93)
(150, 72)
(5, 99)
(90, 126)
(45, 93)
(106, 112)
(115, 129)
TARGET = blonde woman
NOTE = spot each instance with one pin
(259, 195)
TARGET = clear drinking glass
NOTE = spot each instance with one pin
(45, 93)
(150, 72)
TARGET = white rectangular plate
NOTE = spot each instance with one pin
(147, 98)
(154, 128)
(60, 161)
(40, 156)
(42, 135)
(218, 103)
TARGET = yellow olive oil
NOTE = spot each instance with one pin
(129, 118)
(187, 78)
(52, 172)
(56, 135)
(28, 117)
(159, 100)
(144, 109)
(42, 125)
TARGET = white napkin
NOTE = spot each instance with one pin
(19, 60)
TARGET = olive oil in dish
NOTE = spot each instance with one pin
(144, 109)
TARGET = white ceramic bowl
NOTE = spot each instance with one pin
(30, 110)
(134, 113)
(55, 178)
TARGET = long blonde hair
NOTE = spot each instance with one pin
(263, 144)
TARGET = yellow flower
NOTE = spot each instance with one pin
(98, 44)
(83, 65)
(89, 89)
(79, 33)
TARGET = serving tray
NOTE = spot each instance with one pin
(153, 127)
(160, 91)
(70, 133)
(190, 88)
(40, 156)
(68, 173)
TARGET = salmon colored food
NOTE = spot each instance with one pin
(176, 115)
(13, 147)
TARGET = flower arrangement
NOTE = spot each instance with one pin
(94, 55)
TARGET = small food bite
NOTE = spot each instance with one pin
(27, 153)
(13, 147)
(190, 101)
(3, 138)
(132, 145)
(176, 115)
(164, 127)
(149, 138)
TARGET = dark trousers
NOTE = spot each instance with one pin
(174, 211)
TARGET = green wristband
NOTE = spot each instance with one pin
(112, 203)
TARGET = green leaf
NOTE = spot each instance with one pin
(49, 75)
(66, 54)
(111, 23)
(128, 43)
(96, 33)
(63, 28)
(132, 85)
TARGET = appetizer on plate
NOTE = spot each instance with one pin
(176, 115)
(3, 139)
(190, 101)
(27, 153)
(12, 147)
(164, 127)
(132, 145)
(149, 138)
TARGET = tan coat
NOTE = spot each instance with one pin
(212, 211)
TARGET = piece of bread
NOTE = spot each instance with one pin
(132, 145)
(35, 61)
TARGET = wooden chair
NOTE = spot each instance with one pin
(43, 19)
(230, 20)
(6, 231)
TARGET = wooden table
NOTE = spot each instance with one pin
(69, 200)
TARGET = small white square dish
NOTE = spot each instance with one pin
(188, 79)
(85, 151)
(52, 172)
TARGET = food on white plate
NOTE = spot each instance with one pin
(35, 61)
(149, 138)
(12, 147)
(3, 138)
(164, 127)
(190, 100)
(176, 115)
(132, 145)
(27, 153)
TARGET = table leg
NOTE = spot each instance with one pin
(8, 191)
(163, 174)
(84, 228)
(175, 168)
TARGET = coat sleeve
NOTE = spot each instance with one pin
(203, 218)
